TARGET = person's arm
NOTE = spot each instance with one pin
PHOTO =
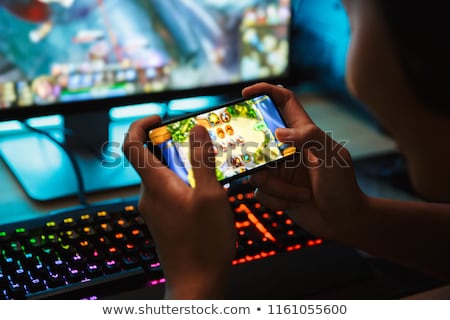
(415, 234)
(193, 228)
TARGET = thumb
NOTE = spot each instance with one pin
(202, 157)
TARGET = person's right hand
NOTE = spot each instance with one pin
(319, 190)
(193, 228)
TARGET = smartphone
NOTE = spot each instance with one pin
(242, 133)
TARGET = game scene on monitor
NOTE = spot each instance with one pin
(242, 135)
(56, 51)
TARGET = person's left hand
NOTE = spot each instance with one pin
(193, 228)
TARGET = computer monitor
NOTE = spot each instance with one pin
(80, 58)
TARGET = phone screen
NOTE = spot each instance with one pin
(242, 133)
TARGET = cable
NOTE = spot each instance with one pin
(76, 167)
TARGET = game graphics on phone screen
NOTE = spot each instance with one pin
(242, 135)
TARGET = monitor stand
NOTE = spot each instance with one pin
(45, 171)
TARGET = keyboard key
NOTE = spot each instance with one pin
(51, 226)
(55, 280)
(103, 215)
(3, 278)
(39, 271)
(69, 223)
(3, 295)
(111, 265)
(4, 236)
(131, 211)
(155, 269)
(35, 285)
(14, 247)
(86, 219)
(35, 242)
(9, 263)
(93, 270)
(16, 289)
(148, 256)
(130, 261)
(74, 275)
(21, 232)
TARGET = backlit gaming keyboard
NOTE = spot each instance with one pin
(73, 253)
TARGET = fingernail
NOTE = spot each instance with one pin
(255, 193)
(284, 134)
(312, 159)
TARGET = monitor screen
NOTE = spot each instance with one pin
(71, 55)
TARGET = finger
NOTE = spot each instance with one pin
(138, 129)
(281, 189)
(258, 178)
(304, 136)
(274, 203)
(290, 107)
(302, 131)
(323, 168)
(145, 163)
(134, 143)
(202, 157)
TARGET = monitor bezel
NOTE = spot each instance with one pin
(83, 106)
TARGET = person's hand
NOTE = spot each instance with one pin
(319, 189)
(193, 228)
